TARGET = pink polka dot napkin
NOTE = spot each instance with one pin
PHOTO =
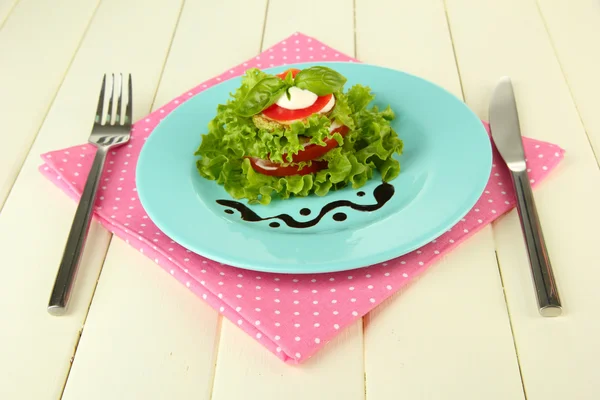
(291, 315)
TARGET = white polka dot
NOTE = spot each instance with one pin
(370, 287)
(314, 291)
(277, 337)
(296, 313)
(335, 313)
(332, 290)
(405, 275)
(387, 274)
(297, 338)
(350, 277)
(277, 324)
(316, 313)
(372, 300)
(354, 313)
(317, 340)
(316, 325)
(277, 312)
(258, 335)
(187, 284)
(295, 291)
(276, 289)
(336, 326)
(240, 321)
(353, 300)
(296, 302)
(351, 288)
(333, 301)
(298, 355)
(257, 323)
(238, 309)
(278, 349)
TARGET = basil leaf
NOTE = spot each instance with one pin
(289, 78)
(320, 80)
(260, 96)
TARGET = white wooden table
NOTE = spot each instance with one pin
(468, 329)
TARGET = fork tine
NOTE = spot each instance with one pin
(110, 102)
(100, 108)
(119, 117)
(129, 109)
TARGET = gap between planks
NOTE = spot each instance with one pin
(87, 312)
(10, 10)
(562, 71)
(62, 80)
(512, 331)
(462, 91)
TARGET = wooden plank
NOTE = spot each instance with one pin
(574, 30)
(36, 218)
(6, 8)
(146, 337)
(448, 335)
(331, 22)
(170, 333)
(245, 371)
(336, 371)
(557, 356)
(37, 44)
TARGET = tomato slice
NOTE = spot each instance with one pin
(277, 113)
(284, 73)
(313, 151)
(274, 169)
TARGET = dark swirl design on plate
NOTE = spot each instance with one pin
(382, 193)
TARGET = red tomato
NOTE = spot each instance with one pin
(313, 151)
(274, 169)
(283, 114)
(284, 73)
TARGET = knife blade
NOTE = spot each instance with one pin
(506, 134)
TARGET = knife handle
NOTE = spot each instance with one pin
(543, 278)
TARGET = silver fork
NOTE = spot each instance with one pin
(109, 131)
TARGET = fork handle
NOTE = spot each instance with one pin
(77, 236)
(549, 303)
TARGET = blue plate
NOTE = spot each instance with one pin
(444, 169)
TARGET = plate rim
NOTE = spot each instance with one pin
(332, 267)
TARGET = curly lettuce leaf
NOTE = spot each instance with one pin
(369, 145)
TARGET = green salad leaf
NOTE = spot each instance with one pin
(320, 80)
(232, 137)
(263, 94)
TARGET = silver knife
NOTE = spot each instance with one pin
(506, 133)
